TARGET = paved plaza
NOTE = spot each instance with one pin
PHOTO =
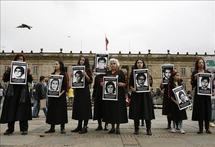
(161, 137)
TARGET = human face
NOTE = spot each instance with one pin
(57, 65)
(82, 61)
(110, 88)
(141, 80)
(20, 58)
(183, 97)
(139, 64)
(54, 85)
(78, 77)
(204, 83)
(200, 64)
(177, 76)
(101, 64)
(113, 66)
(18, 72)
(167, 73)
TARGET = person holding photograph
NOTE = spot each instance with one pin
(98, 103)
(17, 103)
(82, 110)
(141, 105)
(57, 107)
(115, 112)
(177, 115)
(201, 103)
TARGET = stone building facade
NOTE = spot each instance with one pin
(42, 63)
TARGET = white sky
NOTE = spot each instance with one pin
(129, 26)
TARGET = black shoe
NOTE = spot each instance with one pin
(148, 132)
(50, 131)
(112, 131)
(8, 132)
(63, 131)
(208, 132)
(83, 131)
(199, 132)
(24, 132)
(99, 128)
(117, 131)
(76, 129)
(136, 131)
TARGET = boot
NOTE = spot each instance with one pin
(136, 127)
(117, 129)
(207, 127)
(79, 127)
(83, 130)
(62, 129)
(200, 127)
(112, 129)
(148, 127)
(51, 130)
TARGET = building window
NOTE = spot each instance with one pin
(35, 69)
(183, 71)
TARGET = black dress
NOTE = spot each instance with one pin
(201, 103)
(141, 105)
(57, 106)
(175, 113)
(115, 111)
(17, 103)
(82, 103)
(166, 100)
(97, 95)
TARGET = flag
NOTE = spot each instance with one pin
(106, 42)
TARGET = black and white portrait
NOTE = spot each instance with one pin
(110, 88)
(204, 83)
(101, 63)
(181, 98)
(166, 71)
(141, 80)
(18, 73)
(54, 85)
(78, 79)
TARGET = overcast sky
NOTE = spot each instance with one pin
(129, 26)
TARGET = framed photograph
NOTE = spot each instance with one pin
(204, 84)
(181, 97)
(141, 80)
(18, 74)
(78, 79)
(166, 70)
(101, 63)
(54, 85)
(110, 88)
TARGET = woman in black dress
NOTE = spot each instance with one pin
(17, 103)
(201, 103)
(57, 106)
(82, 110)
(115, 112)
(177, 115)
(141, 106)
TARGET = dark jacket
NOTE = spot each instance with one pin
(17, 103)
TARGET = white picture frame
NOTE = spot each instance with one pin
(110, 88)
(78, 79)
(141, 80)
(55, 85)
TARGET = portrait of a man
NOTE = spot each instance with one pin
(205, 83)
(101, 63)
(110, 87)
(19, 72)
(182, 97)
(167, 73)
(141, 80)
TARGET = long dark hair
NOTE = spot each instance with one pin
(197, 61)
(135, 64)
(62, 67)
(87, 65)
(19, 55)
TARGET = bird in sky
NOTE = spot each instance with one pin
(24, 26)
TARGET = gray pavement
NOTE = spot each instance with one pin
(161, 137)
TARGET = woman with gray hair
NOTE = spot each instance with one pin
(115, 112)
